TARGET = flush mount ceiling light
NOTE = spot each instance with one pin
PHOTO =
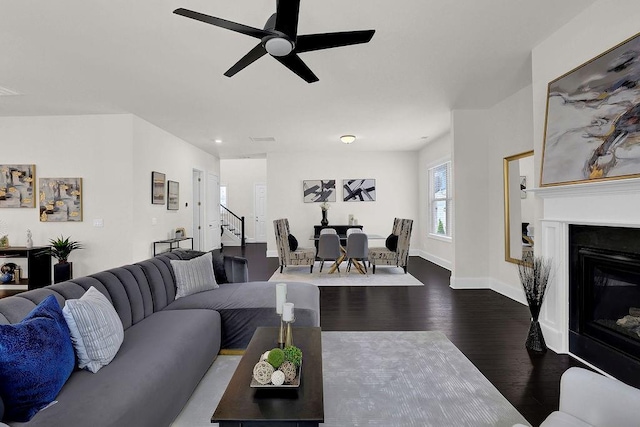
(347, 139)
(217, 141)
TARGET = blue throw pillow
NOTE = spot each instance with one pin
(36, 359)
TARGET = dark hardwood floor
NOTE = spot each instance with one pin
(488, 328)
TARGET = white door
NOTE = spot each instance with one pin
(213, 212)
(197, 210)
(260, 208)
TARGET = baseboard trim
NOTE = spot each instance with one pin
(516, 294)
(272, 254)
(434, 259)
(502, 288)
(553, 338)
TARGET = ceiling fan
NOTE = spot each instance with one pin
(280, 38)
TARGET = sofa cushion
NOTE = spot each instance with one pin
(36, 357)
(293, 242)
(96, 329)
(245, 306)
(161, 361)
(193, 276)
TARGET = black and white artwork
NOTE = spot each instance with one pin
(523, 187)
(359, 190)
(318, 190)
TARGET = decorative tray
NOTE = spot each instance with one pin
(295, 384)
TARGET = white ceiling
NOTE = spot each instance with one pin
(426, 58)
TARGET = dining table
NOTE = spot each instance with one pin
(356, 263)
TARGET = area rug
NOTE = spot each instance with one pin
(385, 276)
(383, 379)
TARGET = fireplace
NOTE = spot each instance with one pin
(604, 298)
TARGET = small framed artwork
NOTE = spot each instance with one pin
(157, 188)
(17, 186)
(173, 195)
(60, 199)
(523, 187)
(319, 190)
(359, 190)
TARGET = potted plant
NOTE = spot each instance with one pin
(60, 249)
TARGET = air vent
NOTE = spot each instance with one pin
(263, 139)
(8, 92)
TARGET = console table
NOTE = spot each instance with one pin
(38, 264)
(173, 244)
(340, 229)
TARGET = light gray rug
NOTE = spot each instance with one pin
(383, 379)
(385, 276)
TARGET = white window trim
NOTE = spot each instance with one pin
(430, 167)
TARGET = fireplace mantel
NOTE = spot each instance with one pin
(598, 188)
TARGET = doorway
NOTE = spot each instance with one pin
(198, 210)
(213, 212)
(260, 209)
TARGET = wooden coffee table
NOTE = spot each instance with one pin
(243, 406)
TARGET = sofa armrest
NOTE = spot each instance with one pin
(236, 269)
(599, 400)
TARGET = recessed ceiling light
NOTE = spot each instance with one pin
(217, 141)
(347, 139)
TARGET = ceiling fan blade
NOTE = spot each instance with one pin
(295, 64)
(223, 23)
(253, 55)
(287, 13)
(311, 42)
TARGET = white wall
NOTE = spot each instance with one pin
(114, 155)
(396, 175)
(157, 150)
(95, 148)
(482, 138)
(240, 177)
(436, 250)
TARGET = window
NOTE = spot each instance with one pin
(440, 200)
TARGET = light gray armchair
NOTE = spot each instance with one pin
(287, 257)
(588, 399)
(399, 257)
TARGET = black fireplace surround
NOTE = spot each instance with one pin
(604, 299)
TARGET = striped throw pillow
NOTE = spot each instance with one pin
(96, 329)
(193, 276)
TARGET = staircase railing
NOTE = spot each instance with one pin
(233, 223)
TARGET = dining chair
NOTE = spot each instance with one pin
(328, 231)
(357, 250)
(350, 231)
(400, 256)
(287, 257)
(329, 249)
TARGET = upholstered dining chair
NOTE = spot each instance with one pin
(399, 257)
(329, 249)
(357, 249)
(286, 256)
(328, 231)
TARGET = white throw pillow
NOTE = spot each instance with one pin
(194, 275)
(96, 329)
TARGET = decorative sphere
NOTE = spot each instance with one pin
(262, 372)
(265, 355)
(289, 371)
(277, 378)
(276, 357)
(6, 278)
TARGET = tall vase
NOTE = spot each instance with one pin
(535, 339)
(324, 221)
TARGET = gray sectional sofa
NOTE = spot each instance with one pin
(169, 344)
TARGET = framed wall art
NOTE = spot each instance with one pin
(319, 190)
(157, 188)
(173, 195)
(359, 190)
(60, 199)
(17, 186)
(592, 128)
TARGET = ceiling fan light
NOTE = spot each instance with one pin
(347, 139)
(278, 46)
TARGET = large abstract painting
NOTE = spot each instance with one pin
(60, 199)
(17, 184)
(359, 190)
(593, 120)
(319, 190)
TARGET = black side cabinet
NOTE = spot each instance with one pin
(38, 264)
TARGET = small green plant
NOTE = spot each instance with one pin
(276, 357)
(440, 227)
(62, 247)
(293, 354)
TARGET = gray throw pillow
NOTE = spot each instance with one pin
(96, 329)
(193, 276)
